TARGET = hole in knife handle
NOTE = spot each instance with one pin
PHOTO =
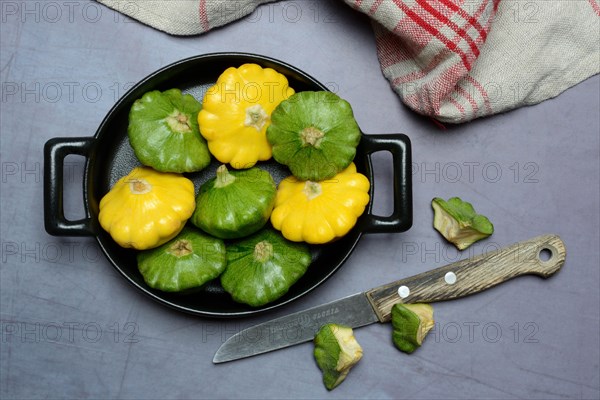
(546, 254)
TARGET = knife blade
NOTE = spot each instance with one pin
(542, 255)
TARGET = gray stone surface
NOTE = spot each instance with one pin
(71, 327)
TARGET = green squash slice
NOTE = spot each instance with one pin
(411, 323)
(336, 352)
(262, 268)
(163, 132)
(457, 221)
(314, 134)
(235, 204)
(188, 261)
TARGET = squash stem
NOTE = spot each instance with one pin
(312, 136)
(312, 189)
(263, 251)
(181, 248)
(224, 178)
(179, 122)
(256, 117)
(139, 186)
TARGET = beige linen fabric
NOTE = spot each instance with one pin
(451, 60)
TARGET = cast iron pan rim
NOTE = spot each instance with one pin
(125, 98)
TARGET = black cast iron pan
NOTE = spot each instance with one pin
(109, 157)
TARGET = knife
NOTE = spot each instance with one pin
(542, 255)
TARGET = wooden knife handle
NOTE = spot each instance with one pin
(472, 275)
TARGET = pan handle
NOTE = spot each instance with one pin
(401, 218)
(55, 151)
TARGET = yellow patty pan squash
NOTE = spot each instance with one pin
(236, 113)
(318, 212)
(147, 208)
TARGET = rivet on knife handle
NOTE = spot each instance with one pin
(472, 275)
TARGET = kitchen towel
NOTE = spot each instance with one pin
(451, 60)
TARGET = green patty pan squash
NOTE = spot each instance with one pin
(163, 131)
(147, 208)
(188, 261)
(236, 112)
(314, 134)
(262, 268)
(235, 204)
